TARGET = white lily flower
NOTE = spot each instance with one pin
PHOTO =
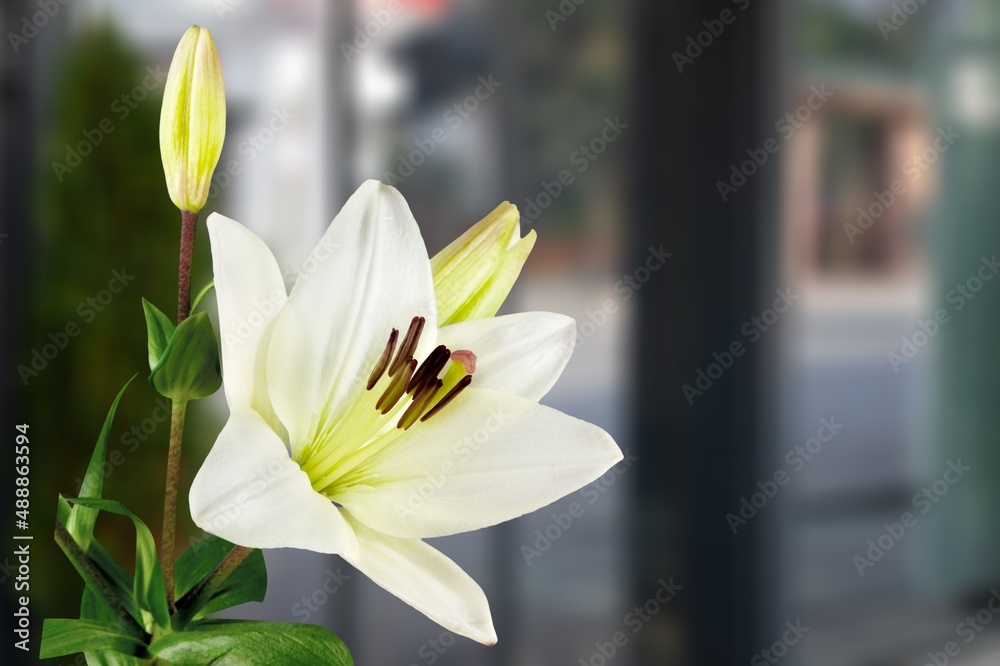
(359, 427)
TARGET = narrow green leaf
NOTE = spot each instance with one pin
(201, 294)
(251, 643)
(114, 572)
(112, 658)
(159, 330)
(109, 586)
(150, 593)
(247, 583)
(93, 607)
(189, 367)
(62, 637)
(80, 522)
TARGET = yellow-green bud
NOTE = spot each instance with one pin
(193, 119)
(475, 273)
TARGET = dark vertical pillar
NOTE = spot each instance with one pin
(696, 458)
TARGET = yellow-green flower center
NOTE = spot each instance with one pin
(398, 390)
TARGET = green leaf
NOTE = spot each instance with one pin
(101, 573)
(159, 330)
(93, 607)
(112, 658)
(189, 367)
(201, 294)
(62, 637)
(111, 571)
(250, 643)
(247, 583)
(149, 590)
(80, 521)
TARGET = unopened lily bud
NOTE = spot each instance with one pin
(193, 119)
(475, 273)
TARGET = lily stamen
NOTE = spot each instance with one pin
(383, 361)
(397, 387)
(429, 369)
(409, 344)
(452, 394)
(419, 404)
(422, 383)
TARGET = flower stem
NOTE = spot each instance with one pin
(177, 413)
(189, 224)
(198, 595)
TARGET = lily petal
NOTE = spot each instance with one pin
(426, 579)
(485, 459)
(250, 291)
(250, 492)
(522, 353)
(369, 274)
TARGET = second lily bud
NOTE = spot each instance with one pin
(193, 119)
(475, 273)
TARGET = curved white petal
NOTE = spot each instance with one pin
(486, 458)
(424, 578)
(369, 274)
(250, 292)
(522, 353)
(250, 492)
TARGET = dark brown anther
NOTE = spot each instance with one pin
(458, 388)
(383, 361)
(397, 387)
(419, 403)
(429, 369)
(409, 344)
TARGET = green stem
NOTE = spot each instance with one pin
(206, 588)
(177, 414)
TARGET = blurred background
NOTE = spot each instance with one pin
(771, 221)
